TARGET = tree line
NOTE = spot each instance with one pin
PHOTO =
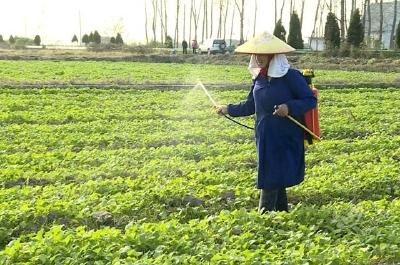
(203, 19)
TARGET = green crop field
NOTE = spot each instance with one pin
(91, 176)
(38, 72)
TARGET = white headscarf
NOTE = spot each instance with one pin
(278, 66)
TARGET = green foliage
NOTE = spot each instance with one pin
(1, 38)
(11, 40)
(355, 34)
(176, 183)
(168, 42)
(139, 72)
(112, 40)
(295, 38)
(118, 39)
(280, 31)
(96, 37)
(398, 36)
(74, 38)
(85, 39)
(37, 40)
(91, 37)
(332, 32)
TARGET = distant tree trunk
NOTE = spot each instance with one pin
(364, 12)
(211, 18)
(184, 22)
(241, 14)
(369, 20)
(225, 18)
(165, 19)
(219, 32)
(190, 21)
(291, 7)
(255, 17)
(283, 5)
(320, 33)
(233, 18)
(162, 28)
(380, 21)
(177, 25)
(393, 26)
(302, 13)
(196, 16)
(154, 25)
(342, 20)
(315, 20)
(204, 21)
(275, 13)
(145, 22)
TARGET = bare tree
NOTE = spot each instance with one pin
(241, 14)
(211, 18)
(226, 16)
(196, 16)
(393, 25)
(220, 8)
(205, 20)
(160, 13)
(315, 20)
(165, 20)
(302, 13)
(184, 21)
(154, 3)
(275, 12)
(369, 18)
(283, 5)
(255, 17)
(233, 18)
(145, 22)
(364, 12)
(190, 20)
(342, 20)
(176, 38)
(380, 21)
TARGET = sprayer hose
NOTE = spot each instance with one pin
(241, 124)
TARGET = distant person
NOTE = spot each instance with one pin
(195, 46)
(277, 91)
(184, 46)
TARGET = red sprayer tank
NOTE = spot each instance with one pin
(311, 117)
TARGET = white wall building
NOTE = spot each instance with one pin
(388, 13)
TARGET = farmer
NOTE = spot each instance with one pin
(277, 91)
(184, 46)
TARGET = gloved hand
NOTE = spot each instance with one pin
(281, 110)
(221, 109)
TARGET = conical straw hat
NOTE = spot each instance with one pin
(264, 43)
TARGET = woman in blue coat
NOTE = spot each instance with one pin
(277, 91)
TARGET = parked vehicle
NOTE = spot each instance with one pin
(213, 46)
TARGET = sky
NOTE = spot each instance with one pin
(56, 21)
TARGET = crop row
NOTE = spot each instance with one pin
(74, 163)
(341, 233)
(38, 72)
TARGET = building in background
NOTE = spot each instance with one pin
(388, 13)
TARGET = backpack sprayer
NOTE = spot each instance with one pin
(311, 117)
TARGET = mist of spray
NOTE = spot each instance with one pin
(199, 83)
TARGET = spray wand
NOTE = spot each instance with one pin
(214, 104)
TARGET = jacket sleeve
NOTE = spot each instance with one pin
(304, 99)
(244, 108)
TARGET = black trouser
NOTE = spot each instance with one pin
(273, 200)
